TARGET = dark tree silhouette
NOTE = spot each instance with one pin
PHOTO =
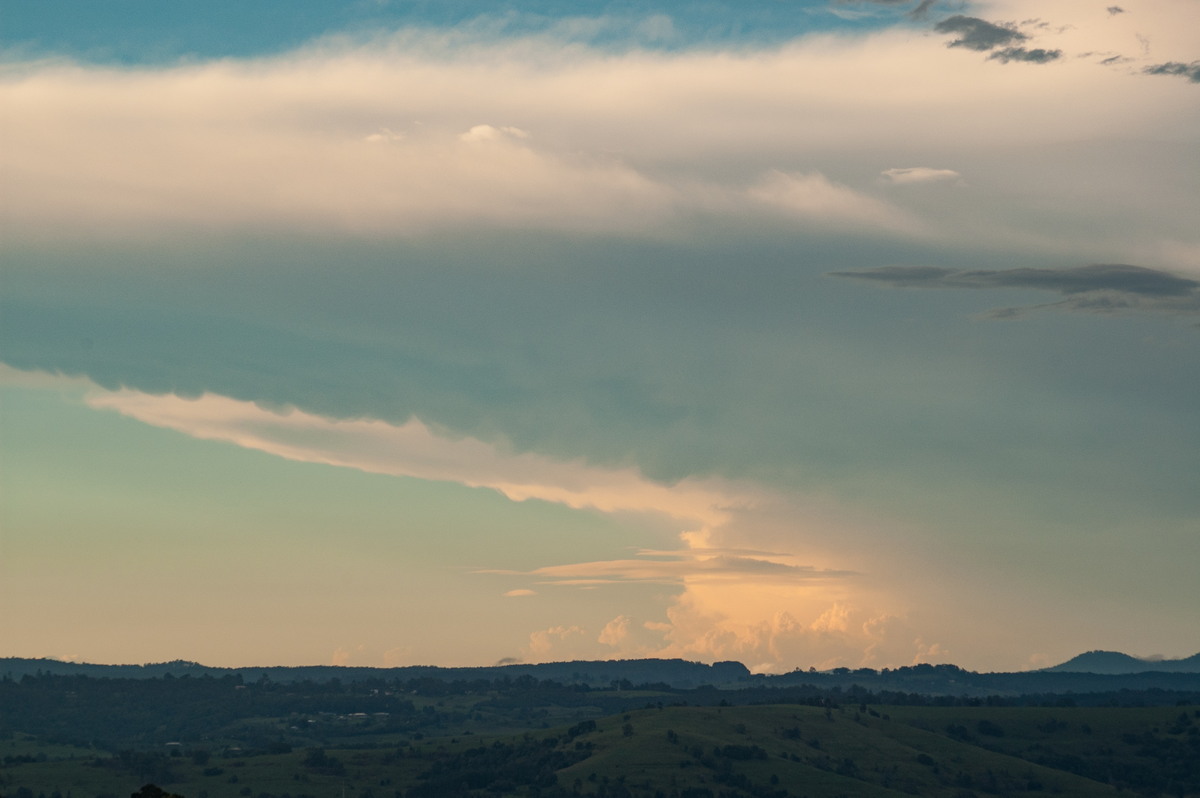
(153, 791)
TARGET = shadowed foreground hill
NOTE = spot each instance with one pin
(691, 752)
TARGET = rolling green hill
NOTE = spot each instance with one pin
(682, 751)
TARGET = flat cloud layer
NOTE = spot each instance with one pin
(415, 133)
(701, 564)
(919, 174)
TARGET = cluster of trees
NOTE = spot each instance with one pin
(113, 714)
(498, 768)
(1166, 761)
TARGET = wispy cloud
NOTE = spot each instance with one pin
(676, 568)
(919, 174)
(1190, 71)
(974, 33)
(814, 197)
(1036, 55)
(415, 450)
(1096, 288)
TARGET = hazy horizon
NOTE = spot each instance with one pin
(819, 334)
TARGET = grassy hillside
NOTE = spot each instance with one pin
(690, 752)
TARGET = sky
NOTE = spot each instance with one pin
(803, 334)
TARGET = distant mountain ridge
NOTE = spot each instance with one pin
(1094, 672)
(674, 672)
(1117, 664)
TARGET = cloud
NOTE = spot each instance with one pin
(415, 450)
(922, 9)
(757, 605)
(383, 136)
(549, 644)
(698, 564)
(774, 626)
(491, 332)
(44, 380)
(343, 656)
(1096, 288)
(480, 133)
(1077, 33)
(1190, 71)
(616, 631)
(1096, 277)
(929, 652)
(1034, 56)
(919, 174)
(421, 131)
(742, 576)
(781, 629)
(814, 197)
(977, 34)
(834, 619)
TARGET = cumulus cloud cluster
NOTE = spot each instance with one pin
(756, 607)
(721, 623)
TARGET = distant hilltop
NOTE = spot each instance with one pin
(1115, 663)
